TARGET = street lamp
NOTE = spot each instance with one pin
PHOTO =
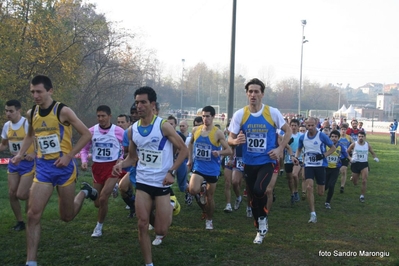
(181, 91)
(339, 95)
(300, 75)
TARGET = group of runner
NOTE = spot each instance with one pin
(142, 161)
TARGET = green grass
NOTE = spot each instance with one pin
(348, 226)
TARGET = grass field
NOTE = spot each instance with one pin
(350, 226)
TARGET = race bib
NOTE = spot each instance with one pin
(310, 159)
(361, 155)
(256, 142)
(102, 151)
(203, 152)
(239, 164)
(150, 158)
(332, 159)
(49, 144)
(15, 146)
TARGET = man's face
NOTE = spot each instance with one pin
(343, 131)
(294, 127)
(361, 138)
(144, 106)
(104, 120)
(40, 94)
(172, 122)
(12, 114)
(311, 126)
(254, 94)
(302, 129)
(334, 138)
(183, 127)
(326, 131)
(134, 116)
(207, 119)
(354, 124)
(121, 121)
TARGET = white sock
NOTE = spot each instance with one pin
(86, 192)
(313, 213)
(149, 264)
(99, 226)
(31, 263)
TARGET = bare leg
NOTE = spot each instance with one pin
(39, 196)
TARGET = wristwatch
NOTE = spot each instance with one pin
(172, 172)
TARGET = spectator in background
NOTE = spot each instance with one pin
(360, 127)
(393, 131)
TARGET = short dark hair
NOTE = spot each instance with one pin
(295, 121)
(151, 94)
(171, 117)
(255, 81)
(361, 133)
(125, 116)
(42, 79)
(197, 119)
(104, 108)
(209, 109)
(14, 103)
(336, 133)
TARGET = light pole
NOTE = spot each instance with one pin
(181, 91)
(339, 95)
(300, 74)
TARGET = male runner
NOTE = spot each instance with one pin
(20, 176)
(255, 127)
(106, 145)
(152, 144)
(50, 124)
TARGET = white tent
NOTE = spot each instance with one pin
(340, 112)
(350, 112)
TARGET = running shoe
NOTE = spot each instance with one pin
(228, 208)
(97, 232)
(188, 199)
(203, 194)
(150, 227)
(296, 196)
(341, 190)
(361, 199)
(158, 240)
(292, 200)
(91, 191)
(115, 191)
(208, 225)
(127, 207)
(237, 203)
(313, 218)
(249, 212)
(259, 238)
(175, 204)
(19, 226)
(263, 225)
(327, 205)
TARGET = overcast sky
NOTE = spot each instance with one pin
(349, 41)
